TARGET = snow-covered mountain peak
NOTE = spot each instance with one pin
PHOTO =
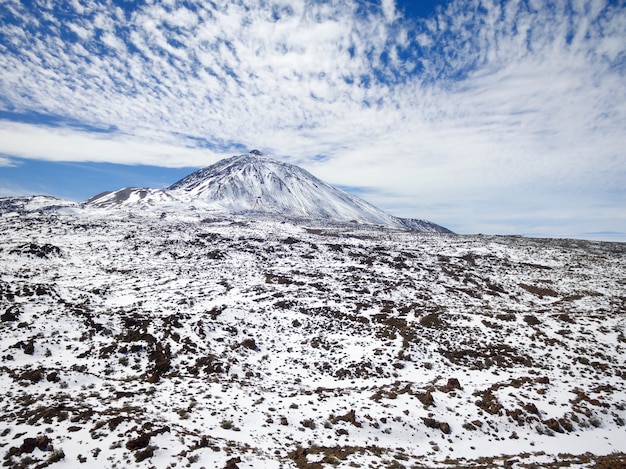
(254, 183)
(251, 168)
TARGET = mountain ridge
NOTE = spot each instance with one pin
(254, 183)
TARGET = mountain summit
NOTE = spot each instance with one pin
(256, 184)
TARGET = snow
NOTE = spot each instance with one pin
(352, 327)
(254, 183)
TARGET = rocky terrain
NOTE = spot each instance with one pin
(175, 339)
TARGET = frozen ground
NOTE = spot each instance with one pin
(136, 339)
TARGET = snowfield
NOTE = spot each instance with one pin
(141, 338)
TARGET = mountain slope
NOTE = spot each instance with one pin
(255, 184)
(33, 203)
(132, 197)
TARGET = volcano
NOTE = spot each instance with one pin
(256, 184)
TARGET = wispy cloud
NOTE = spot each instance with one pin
(6, 162)
(485, 101)
(144, 147)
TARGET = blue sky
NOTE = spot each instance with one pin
(491, 116)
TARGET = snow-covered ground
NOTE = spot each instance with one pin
(141, 339)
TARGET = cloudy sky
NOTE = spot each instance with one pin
(490, 116)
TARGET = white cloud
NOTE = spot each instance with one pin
(113, 42)
(83, 33)
(389, 10)
(67, 144)
(6, 162)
